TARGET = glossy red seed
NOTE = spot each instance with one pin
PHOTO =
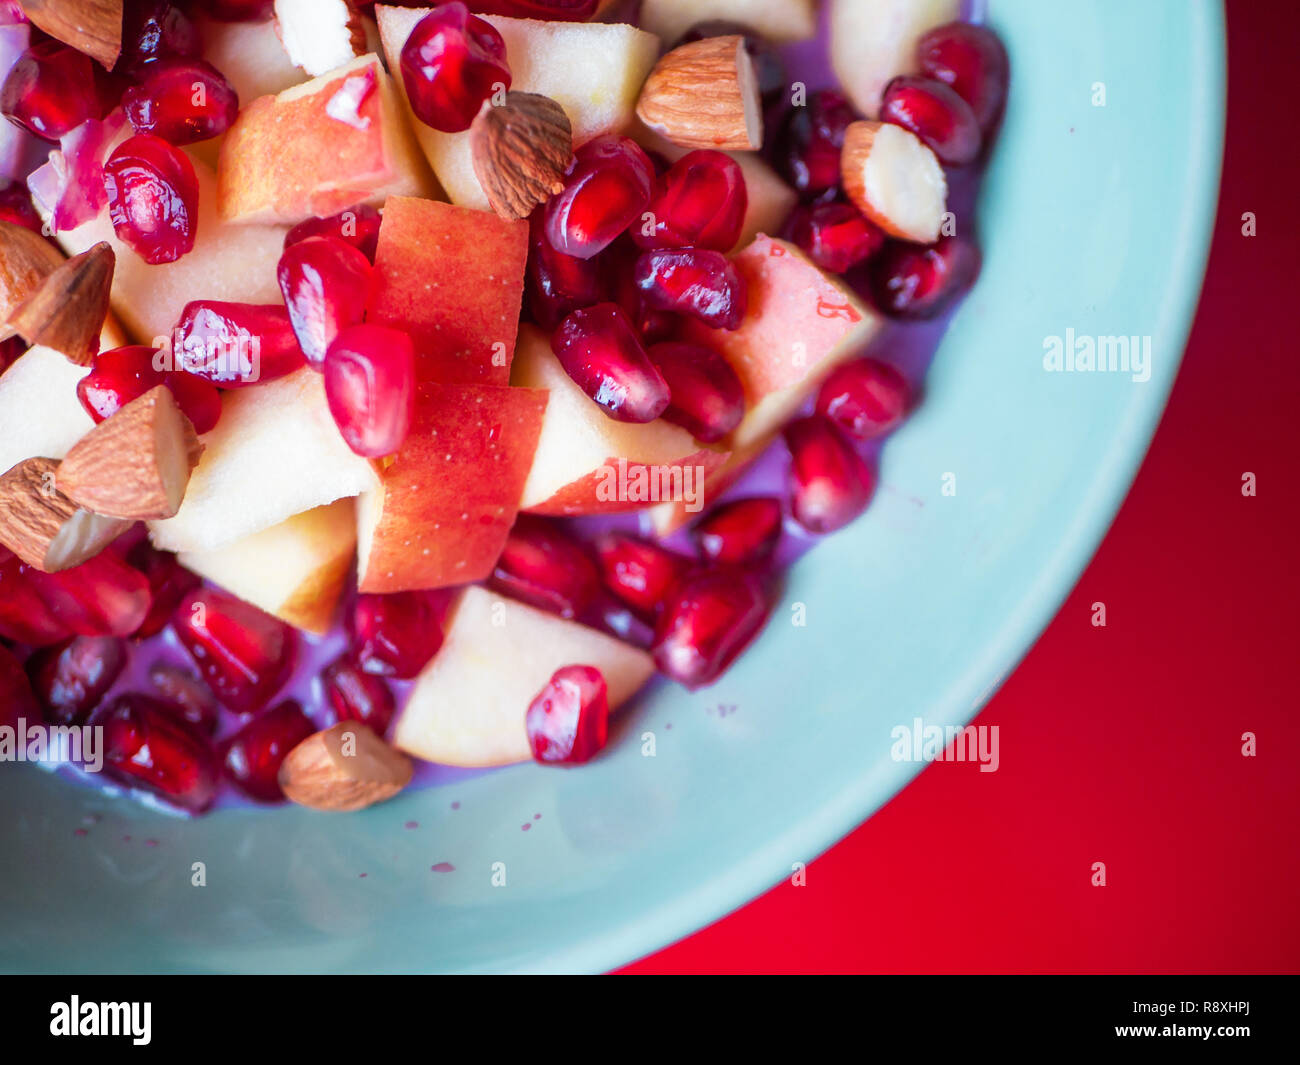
(236, 344)
(707, 398)
(16, 698)
(600, 350)
(396, 635)
(769, 70)
(744, 532)
(638, 572)
(244, 654)
(560, 284)
(324, 282)
(701, 203)
(370, 385)
(357, 225)
(237, 10)
(830, 483)
(69, 680)
(866, 398)
(251, 757)
(357, 695)
(24, 615)
(568, 722)
(936, 114)
(543, 565)
(703, 284)
(153, 198)
(119, 375)
(199, 399)
(169, 583)
(807, 146)
(972, 60)
(50, 90)
(10, 351)
(104, 596)
(920, 281)
(836, 236)
(186, 696)
(451, 63)
(708, 620)
(608, 187)
(181, 100)
(146, 746)
(16, 206)
(153, 30)
(546, 10)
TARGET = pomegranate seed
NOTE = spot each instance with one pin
(324, 281)
(16, 699)
(10, 351)
(568, 722)
(357, 225)
(920, 281)
(546, 567)
(832, 484)
(972, 61)
(936, 114)
(24, 616)
(169, 583)
(119, 375)
(707, 398)
(70, 680)
(638, 572)
(357, 695)
(547, 10)
(50, 90)
(147, 746)
(808, 144)
(599, 349)
(102, 597)
(153, 198)
(370, 385)
(701, 203)
(619, 262)
(243, 654)
(252, 756)
(866, 398)
(181, 101)
(709, 619)
(16, 206)
(693, 281)
(768, 67)
(187, 696)
(608, 187)
(152, 30)
(396, 635)
(451, 64)
(238, 10)
(743, 532)
(560, 284)
(836, 236)
(236, 344)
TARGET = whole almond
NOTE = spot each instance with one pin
(521, 150)
(45, 528)
(345, 767)
(705, 95)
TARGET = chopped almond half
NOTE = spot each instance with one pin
(320, 35)
(67, 309)
(705, 95)
(90, 26)
(45, 528)
(895, 180)
(135, 464)
(26, 259)
(346, 767)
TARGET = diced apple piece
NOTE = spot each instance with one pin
(593, 70)
(251, 55)
(446, 501)
(319, 147)
(453, 278)
(295, 570)
(275, 453)
(895, 180)
(228, 262)
(873, 41)
(321, 35)
(40, 413)
(588, 463)
(468, 705)
(778, 20)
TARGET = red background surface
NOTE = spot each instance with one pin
(1123, 744)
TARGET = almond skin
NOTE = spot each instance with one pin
(67, 310)
(521, 151)
(894, 179)
(90, 26)
(45, 528)
(705, 95)
(346, 767)
(26, 259)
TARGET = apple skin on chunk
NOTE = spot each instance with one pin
(453, 278)
(446, 501)
(468, 705)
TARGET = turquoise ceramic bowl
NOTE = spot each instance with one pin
(1094, 219)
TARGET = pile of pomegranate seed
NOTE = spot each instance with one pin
(451, 63)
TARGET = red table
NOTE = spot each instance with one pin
(1123, 744)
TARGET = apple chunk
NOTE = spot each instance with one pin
(275, 453)
(40, 413)
(468, 705)
(593, 70)
(295, 570)
(778, 20)
(251, 56)
(453, 278)
(445, 502)
(586, 462)
(319, 147)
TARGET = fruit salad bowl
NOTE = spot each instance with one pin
(1093, 222)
